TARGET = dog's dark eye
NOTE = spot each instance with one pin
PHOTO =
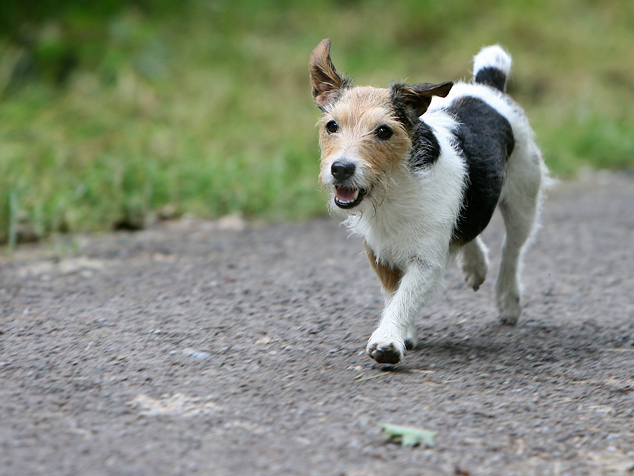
(332, 127)
(383, 132)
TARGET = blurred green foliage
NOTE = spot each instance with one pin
(115, 111)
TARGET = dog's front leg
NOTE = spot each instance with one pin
(417, 286)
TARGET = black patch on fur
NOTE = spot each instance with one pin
(411, 101)
(492, 77)
(425, 147)
(403, 114)
(485, 140)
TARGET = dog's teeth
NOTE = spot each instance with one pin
(348, 197)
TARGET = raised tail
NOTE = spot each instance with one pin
(492, 66)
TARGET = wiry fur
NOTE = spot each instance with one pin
(412, 189)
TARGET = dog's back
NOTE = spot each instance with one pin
(485, 140)
(504, 168)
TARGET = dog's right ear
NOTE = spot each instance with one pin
(416, 99)
(324, 78)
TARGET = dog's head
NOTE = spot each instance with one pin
(364, 132)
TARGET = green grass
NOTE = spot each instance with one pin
(205, 108)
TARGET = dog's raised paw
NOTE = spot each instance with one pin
(385, 353)
(474, 282)
(474, 276)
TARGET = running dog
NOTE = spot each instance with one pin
(419, 170)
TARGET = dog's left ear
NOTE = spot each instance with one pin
(416, 99)
(324, 78)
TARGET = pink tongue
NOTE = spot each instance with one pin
(346, 194)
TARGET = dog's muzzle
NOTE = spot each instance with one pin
(346, 195)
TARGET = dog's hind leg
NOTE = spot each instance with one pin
(474, 263)
(519, 204)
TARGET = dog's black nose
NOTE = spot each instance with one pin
(342, 170)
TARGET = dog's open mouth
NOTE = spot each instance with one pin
(346, 197)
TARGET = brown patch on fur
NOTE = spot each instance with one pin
(359, 112)
(390, 277)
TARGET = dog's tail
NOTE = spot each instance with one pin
(492, 66)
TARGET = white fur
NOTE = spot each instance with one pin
(492, 57)
(521, 196)
(410, 226)
(418, 210)
(475, 263)
(412, 230)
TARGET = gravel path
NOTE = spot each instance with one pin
(231, 349)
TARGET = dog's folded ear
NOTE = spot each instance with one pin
(325, 80)
(415, 99)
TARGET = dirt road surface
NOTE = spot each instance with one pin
(230, 349)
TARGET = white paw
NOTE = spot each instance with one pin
(475, 274)
(509, 309)
(386, 351)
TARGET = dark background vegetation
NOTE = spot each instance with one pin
(113, 113)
